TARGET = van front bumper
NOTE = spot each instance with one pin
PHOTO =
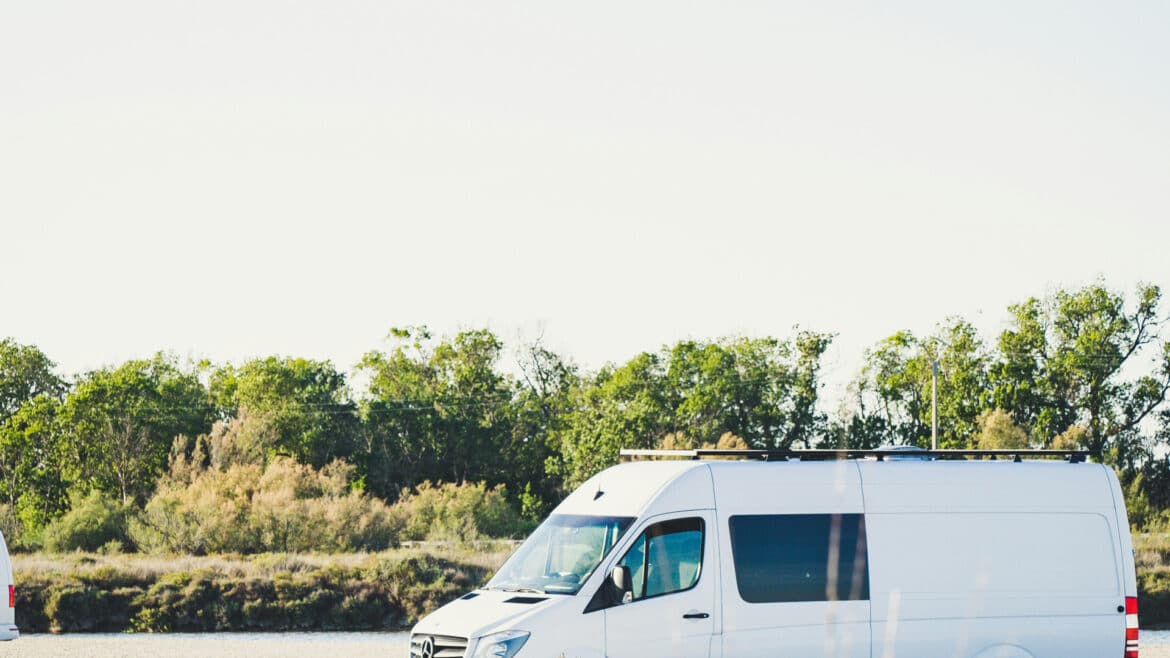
(10, 633)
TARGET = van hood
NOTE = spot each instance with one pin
(489, 611)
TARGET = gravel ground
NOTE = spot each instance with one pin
(299, 645)
(277, 645)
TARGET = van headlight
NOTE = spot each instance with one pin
(500, 645)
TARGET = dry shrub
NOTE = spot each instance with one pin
(10, 526)
(999, 431)
(458, 512)
(254, 508)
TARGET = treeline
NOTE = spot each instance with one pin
(271, 453)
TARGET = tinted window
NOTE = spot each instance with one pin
(666, 558)
(800, 557)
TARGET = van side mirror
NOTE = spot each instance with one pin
(622, 585)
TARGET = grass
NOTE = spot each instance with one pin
(1152, 558)
(388, 590)
(486, 555)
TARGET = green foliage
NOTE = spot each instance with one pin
(10, 527)
(33, 460)
(896, 388)
(285, 457)
(1137, 505)
(1062, 363)
(120, 424)
(306, 403)
(94, 523)
(532, 507)
(437, 411)
(454, 512)
(1152, 558)
(25, 373)
(1056, 372)
(763, 390)
(544, 397)
(81, 608)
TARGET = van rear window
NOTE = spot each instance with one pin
(785, 558)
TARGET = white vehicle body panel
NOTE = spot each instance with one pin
(8, 630)
(965, 556)
(826, 628)
(983, 559)
(656, 626)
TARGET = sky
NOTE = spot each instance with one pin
(228, 179)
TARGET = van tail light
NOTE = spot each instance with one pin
(1131, 627)
(12, 596)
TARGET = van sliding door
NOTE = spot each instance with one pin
(796, 568)
(802, 582)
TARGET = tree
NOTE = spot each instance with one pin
(895, 389)
(764, 390)
(544, 396)
(25, 373)
(621, 407)
(896, 372)
(33, 463)
(856, 425)
(398, 438)
(474, 406)
(307, 403)
(437, 411)
(805, 420)
(120, 423)
(1063, 361)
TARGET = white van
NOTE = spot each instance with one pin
(874, 555)
(8, 630)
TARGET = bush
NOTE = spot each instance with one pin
(271, 592)
(419, 582)
(458, 512)
(10, 526)
(328, 598)
(251, 508)
(95, 521)
(89, 609)
(1154, 595)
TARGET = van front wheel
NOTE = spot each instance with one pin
(1004, 651)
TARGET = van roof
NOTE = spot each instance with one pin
(642, 487)
(880, 454)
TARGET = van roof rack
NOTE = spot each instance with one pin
(895, 453)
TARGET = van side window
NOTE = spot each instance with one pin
(666, 558)
(800, 557)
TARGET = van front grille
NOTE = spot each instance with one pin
(442, 646)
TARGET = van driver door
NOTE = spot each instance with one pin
(671, 608)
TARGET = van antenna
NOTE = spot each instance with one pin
(599, 493)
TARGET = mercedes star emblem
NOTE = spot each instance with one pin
(428, 648)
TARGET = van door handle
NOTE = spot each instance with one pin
(696, 615)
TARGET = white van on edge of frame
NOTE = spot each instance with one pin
(8, 630)
(801, 554)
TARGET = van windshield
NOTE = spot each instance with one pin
(561, 554)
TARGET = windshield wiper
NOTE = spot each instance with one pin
(504, 588)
